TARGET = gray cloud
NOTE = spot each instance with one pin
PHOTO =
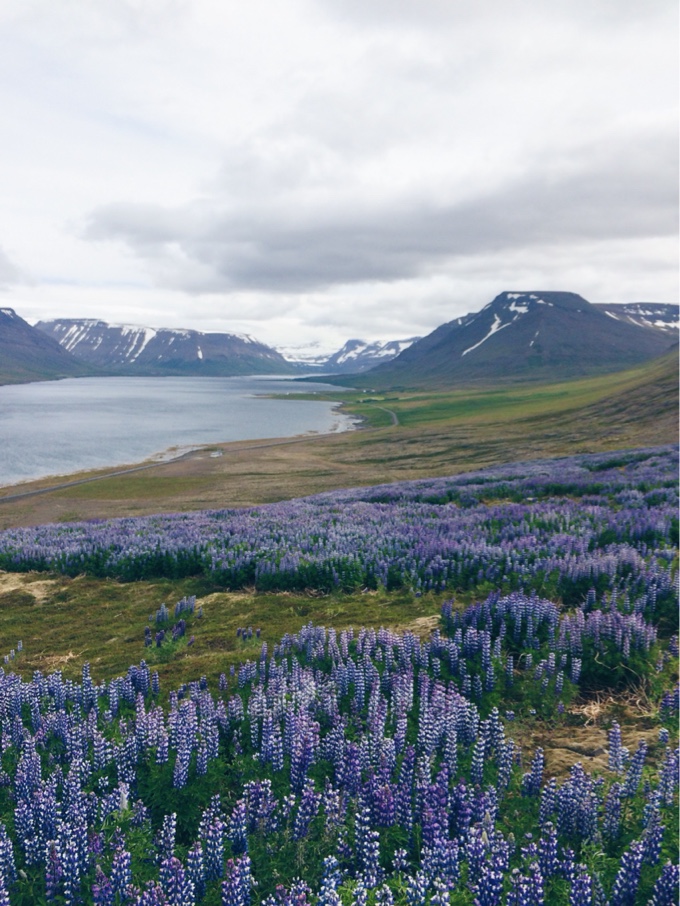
(325, 168)
(625, 190)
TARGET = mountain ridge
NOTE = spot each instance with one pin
(354, 356)
(534, 335)
(659, 315)
(132, 349)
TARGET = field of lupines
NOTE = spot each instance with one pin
(557, 527)
(360, 766)
(352, 767)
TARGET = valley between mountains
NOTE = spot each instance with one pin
(430, 662)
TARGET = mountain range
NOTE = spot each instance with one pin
(130, 350)
(522, 336)
(353, 357)
(518, 336)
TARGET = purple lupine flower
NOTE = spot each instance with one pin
(519, 893)
(581, 891)
(668, 779)
(165, 842)
(7, 865)
(178, 887)
(238, 881)
(652, 839)
(489, 887)
(536, 885)
(531, 782)
(477, 766)
(634, 773)
(102, 889)
(152, 896)
(71, 873)
(627, 880)
(359, 895)
(307, 810)
(400, 861)
(547, 851)
(213, 848)
(367, 848)
(180, 774)
(53, 871)
(330, 881)
(196, 869)
(666, 888)
(476, 852)
(611, 821)
(416, 889)
(615, 749)
(238, 828)
(441, 895)
(121, 872)
(505, 764)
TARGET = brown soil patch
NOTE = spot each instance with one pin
(39, 588)
(564, 746)
(54, 662)
(421, 626)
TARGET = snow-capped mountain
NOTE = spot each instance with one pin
(523, 336)
(130, 349)
(359, 355)
(354, 357)
(645, 314)
(306, 356)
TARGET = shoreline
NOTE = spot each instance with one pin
(338, 422)
(215, 450)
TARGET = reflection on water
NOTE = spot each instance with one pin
(59, 427)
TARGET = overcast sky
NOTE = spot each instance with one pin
(314, 170)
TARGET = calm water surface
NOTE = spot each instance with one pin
(59, 427)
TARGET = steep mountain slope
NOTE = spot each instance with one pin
(645, 314)
(124, 349)
(521, 336)
(26, 354)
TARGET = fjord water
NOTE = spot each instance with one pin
(60, 427)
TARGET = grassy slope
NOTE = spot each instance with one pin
(437, 434)
(64, 622)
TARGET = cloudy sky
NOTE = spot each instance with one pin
(313, 170)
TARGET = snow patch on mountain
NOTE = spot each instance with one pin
(657, 316)
(495, 327)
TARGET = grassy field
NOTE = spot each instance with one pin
(64, 622)
(436, 433)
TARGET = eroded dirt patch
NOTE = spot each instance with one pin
(40, 589)
(421, 626)
(54, 662)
